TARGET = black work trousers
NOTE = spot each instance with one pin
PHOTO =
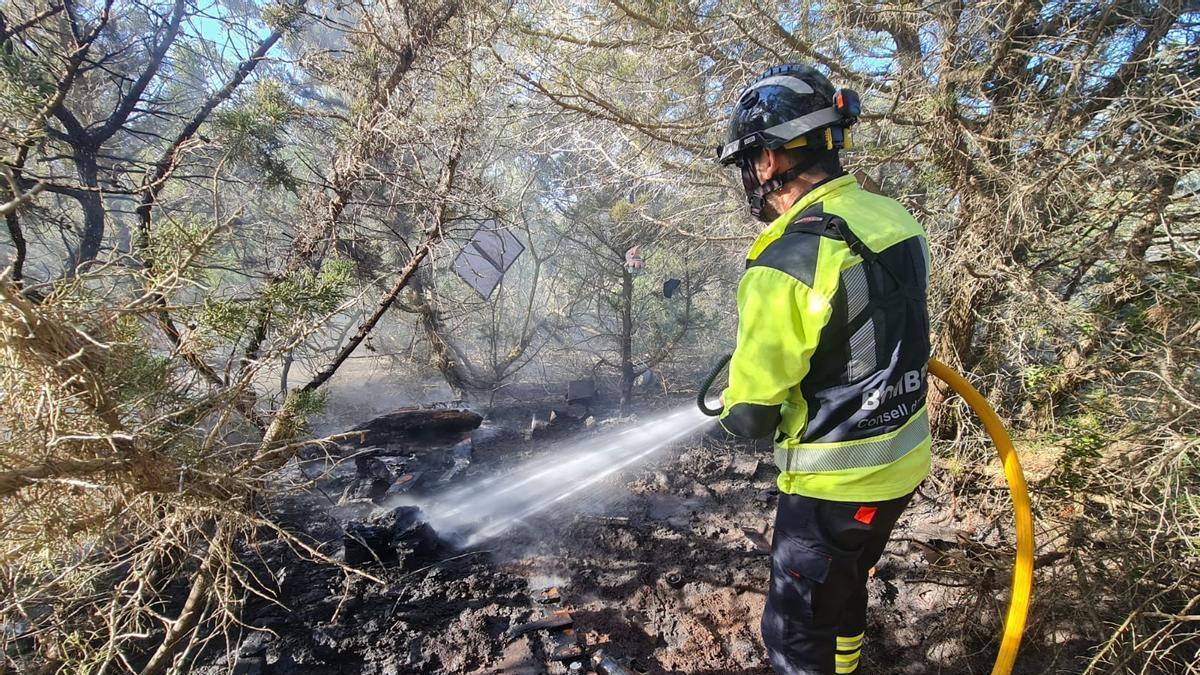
(816, 609)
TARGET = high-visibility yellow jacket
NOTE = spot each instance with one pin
(833, 345)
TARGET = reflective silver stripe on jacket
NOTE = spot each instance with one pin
(818, 457)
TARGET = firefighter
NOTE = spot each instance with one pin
(832, 347)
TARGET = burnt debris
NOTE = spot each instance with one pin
(425, 424)
(398, 536)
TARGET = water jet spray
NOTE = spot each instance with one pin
(554, 481)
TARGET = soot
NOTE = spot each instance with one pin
(399, 536)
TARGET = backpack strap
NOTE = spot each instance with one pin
(814, 220)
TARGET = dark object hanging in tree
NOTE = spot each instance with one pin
(670, 286)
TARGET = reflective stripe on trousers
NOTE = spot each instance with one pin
(868, 452)
(849, 650)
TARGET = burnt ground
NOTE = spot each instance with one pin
(667, 572)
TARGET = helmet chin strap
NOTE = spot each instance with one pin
(756, 192)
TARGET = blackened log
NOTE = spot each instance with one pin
(417, 424)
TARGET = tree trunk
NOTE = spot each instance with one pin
(1076, 363)
(626, 340)
(93, 211)
(283, 374)
(193, 606)
(1143, 234)
(18, 239)
(441, 355)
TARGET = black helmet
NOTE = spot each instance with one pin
(788, 106)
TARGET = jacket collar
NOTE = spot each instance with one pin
(822, 191)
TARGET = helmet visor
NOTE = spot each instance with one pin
(734, 152)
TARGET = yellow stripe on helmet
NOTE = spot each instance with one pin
(796, 143)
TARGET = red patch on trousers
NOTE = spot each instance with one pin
(865, 514)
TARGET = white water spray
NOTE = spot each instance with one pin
(556, 479)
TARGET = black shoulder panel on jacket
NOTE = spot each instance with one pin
(796, 251)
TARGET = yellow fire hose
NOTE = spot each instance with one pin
(1022, 579)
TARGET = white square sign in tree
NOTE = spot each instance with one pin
(484, 260)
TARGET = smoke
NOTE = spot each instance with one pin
(562, 479)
